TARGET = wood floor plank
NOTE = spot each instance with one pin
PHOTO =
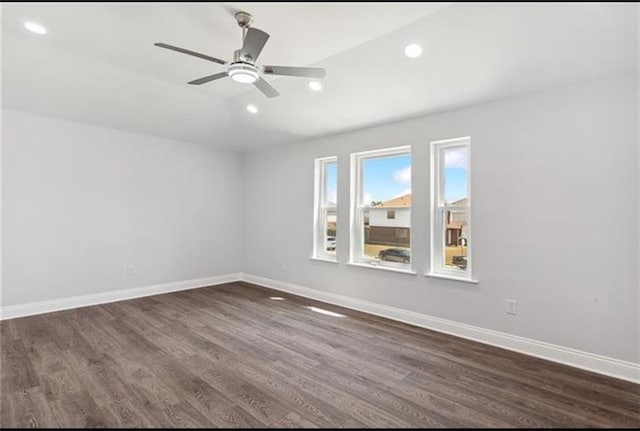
(365, 412)
(184, 415)
(303, 400)
(17, 373)
(26, 408)
(294, 421)
(251, 398)
(81, 411)
(230, 356)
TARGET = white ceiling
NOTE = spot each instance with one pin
(98, 64)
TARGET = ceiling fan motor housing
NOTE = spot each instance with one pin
(239, 56)
(244, 19)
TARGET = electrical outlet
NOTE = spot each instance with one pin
(512, 306)
(130, 270)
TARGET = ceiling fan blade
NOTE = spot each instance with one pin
(188, 52)
(306, 72)
(254, 41)
(266, 88)
(209, 78)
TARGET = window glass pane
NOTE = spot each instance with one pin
(325, 196)
(331, 183)
(455, 176)
(330, 232)
(386, 191)
(456, 237)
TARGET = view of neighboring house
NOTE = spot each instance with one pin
(330, 244)
(331, 223)
(390, 222)
(457, 226)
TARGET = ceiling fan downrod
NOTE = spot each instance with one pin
(244, 20)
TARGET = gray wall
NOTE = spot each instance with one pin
(555, 209)
(559, 168)
(81, 203)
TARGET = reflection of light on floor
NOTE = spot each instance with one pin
(276, 298)
(323, 311)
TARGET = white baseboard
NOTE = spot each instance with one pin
(576, 358)
(23, 310)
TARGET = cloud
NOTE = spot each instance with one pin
(403, 176)
(367, 198)
(404, 192)
(455, 158)
(332, 196)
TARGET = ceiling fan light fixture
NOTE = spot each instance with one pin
(243, 72)
(252, 108)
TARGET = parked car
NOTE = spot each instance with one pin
(331, 243)
(460, 261)
(395, 255)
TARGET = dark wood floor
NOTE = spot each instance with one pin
(230, 356)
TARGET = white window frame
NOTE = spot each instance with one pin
(321, 209)
(357, 209)
(439, 209)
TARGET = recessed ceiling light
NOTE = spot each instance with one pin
(315, 85)
(35, 27)
(252, 108)
(413, 50)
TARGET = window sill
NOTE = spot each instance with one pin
(382, 267)
(451, 277)
(324, 259)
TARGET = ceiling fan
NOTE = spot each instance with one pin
(243, 68)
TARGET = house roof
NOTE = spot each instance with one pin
(403, 201)
(461, 202)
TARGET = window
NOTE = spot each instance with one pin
(451, 203)
(381, 207)
(325, 215)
